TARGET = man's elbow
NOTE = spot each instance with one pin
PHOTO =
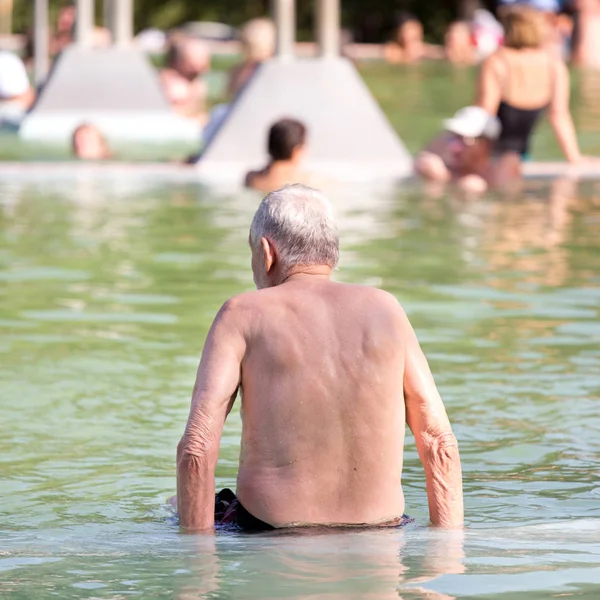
(195, 453)
(441, 453)
(444, 480)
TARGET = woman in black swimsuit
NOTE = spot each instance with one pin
(522, 81)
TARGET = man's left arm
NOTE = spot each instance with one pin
(437, 446)
(216, 386)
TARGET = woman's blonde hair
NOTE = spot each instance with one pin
(523, 28)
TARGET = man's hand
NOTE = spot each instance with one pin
(437, 446)
(216, 386)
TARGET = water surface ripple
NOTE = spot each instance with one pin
(106, 294)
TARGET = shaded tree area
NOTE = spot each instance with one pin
(368, 20)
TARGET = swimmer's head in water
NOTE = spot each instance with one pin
(293, 226)
(457, 40)
(89, 143)
(409, 32)
(287, 139)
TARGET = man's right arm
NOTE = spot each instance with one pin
(436, 443)
(216, 386)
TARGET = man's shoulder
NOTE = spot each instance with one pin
(238, 312)
(253, 302)
(376, 309)
(239, 303)
(370, 294)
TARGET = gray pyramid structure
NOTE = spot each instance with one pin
(349, 137)
(115, 89)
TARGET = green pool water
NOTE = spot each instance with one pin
(107, 289)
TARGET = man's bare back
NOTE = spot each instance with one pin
(329, 375)
(322, 406)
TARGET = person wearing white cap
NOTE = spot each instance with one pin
(16, 94)
(462, 153)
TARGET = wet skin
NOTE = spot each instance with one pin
(329, 375)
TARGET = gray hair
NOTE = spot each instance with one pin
(301, 222)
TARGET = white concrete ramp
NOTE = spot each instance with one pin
(349, 137)
(115, 89)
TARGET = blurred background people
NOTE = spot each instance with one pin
(286, 145)
(258, 45)
(64, 33)
(462, 153)
(408, 45)
(16, 93)
(556, 24)
(187, 61)
(487, 33)
(586, 36)
(89, 143)
(458, 44)
(521, 81)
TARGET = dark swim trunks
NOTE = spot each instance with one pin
(229, 511)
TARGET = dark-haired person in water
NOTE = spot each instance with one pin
(286, 146)
(89, 143)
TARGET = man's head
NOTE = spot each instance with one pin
(287, 139)
(189, 57)
(294, 228)
(474, 132)
(258, 40)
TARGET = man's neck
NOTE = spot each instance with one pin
(310, 272)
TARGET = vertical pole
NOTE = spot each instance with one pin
(107, 10)
(121, 21)
(6, 10)
(284, 15)
(84, 26)
(41, 41)
(328, 28)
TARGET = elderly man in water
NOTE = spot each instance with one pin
(329, 374)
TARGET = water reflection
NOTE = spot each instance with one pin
(588, 111)
(374, 565)
(526, 234)
(107, 292)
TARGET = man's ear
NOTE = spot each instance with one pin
(270, 254)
